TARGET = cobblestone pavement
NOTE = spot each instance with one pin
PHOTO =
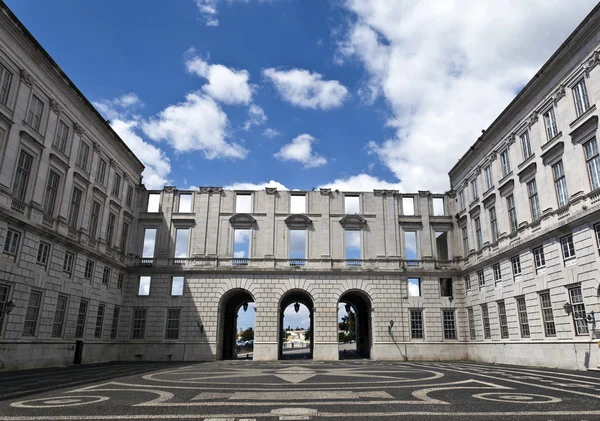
(299, 390)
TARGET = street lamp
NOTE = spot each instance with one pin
(8, 307)
(297, 307)
(590, 318)
(200, 325)
(245, 306)
(348, 308)
(390, 326)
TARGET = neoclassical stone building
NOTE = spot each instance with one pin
(94, 267)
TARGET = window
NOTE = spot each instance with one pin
(11, 243)
(502, 320)
(461, 201)
(597, 230)
(62, 134)
(474, 193)
(182, 240)
(449, 324)
(115, 323)
(110, 229)
(547, 314)
(68, 262)
(487, 332)
(243, 203)
(441, 245)
(185, 202)
(83, 156)
(116, 190)
(487, 174)
(99, 321)
(504, 163)
(493, 224)
(410, 244)
(51, 193)
(438, 206)
(582, 103)
(414, 287)
(101, 172)
(465, 240)
(416, 324)
(467, 282)
(138, 327)
(568, 248)
(241, 246)
(81, 316)
(497, 273)
(550, 121)
(34, 113)
(106, 276)
(124, 235)
(446, 287)
(481, 278)
(144, 285)
(534, 203)
(31, 316)
(298, 204)
(298, 247)
(43, 253)
(129, 198)
(352, 204)
(149, 242)
(173, 320)
(408, 206)
(177, 283)
(512, 213)
(120, 279)
(352, 247)
(59, 317)
(578, 311)
(114, 327)
(516, 265)
(523, 320)
(153, 202)
(22, 176)
(539, 259)
(89, 270)
(525, 146)
(3, 300)
(471, 316)
(74, 208)
(560, 182)
(593, 162)
(5, 80)
(478, 235)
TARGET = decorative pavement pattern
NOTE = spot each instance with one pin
(299, 390)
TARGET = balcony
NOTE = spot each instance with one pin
(297, 262)
(18, 206)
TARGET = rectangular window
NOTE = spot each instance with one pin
(68, 262)
(110, 229)
(534, 203)
(144, 285)
(465, 240)
(241, 246)
(116, 190)
(298, 247)
(83, 156)
(467, 282)
(120, 280)
(11, 242)
(438, 206)
(550, 122)
(31, 315)
(34, 113)
(352, 204)
(547, 314)
(568, 248)
(414, 287)
(441, 245)
(352, 248)
(153, 202)
(539, 259)
(177, 283)
(472, 331)
(149, 242)
(478, 235)
(597, 230)
(43, 253)
(502, 320)
(411, 251)
(4, 289)
(114, 327)
(578, 311)
(516, 265)
(5, 81)
(124, 235)
(474, 193)
(99, 321)
(593, 162)
(51, 193)
(106, 276)
(129, 197)
(408, 206)
(493, 224)
(461, 201)
(243, 203)
(489, 181)
(504, 163)
(487, 332)
(74, 208)
(101, 172)
(182, 240)
(138, 327)
(81, 316)
(446, 287)
(416, 324)
(523, 319)
(582, 103)
(89, 270)
(62, 134)
(185, 203)
(59, 317)
(560, 183)
(481, 278)
(22, 176)
(298, 204)
(525, 145)
(497, 274)
(173, 321)
(512, 213)
(449, 324)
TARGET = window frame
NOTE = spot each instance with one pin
(22, 175)
(523, 317)
(525, 145)
(58, 321)
(88, 273)
(68, 262)
(547, 314)
(447, 287)
(99, 326)
(417, 325)
(534, 202)
(493, 224)
(580, 97)
(10, 247)
(471, 319)
(106, 275)
(43, 254)
(539, 259)
(138, 323)
(592, 161)
(114, 326)
(478, 233)
(550, 123)
(81, 318)
(408, 284)
(450, 332)
(515, 262)
(513, 222)
(560, 184)
(489, 177)
(32, 119)
(578, 308)
(502, 320)
(51, 193)
(83, 156)
(481, 278)
(497, 270)
(505, 163)
(485, 315)
(31, 322)
(169, 328)
(139, 288)
(568, 253)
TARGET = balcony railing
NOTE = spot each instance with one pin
(240, 262)
(353, 262)
(297, 262)
(17, 206)
(147, 262)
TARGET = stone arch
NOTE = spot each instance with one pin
(229, 304)
(362, 303)
(290, 296)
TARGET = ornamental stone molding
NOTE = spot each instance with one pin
(112, 163)
(210, 189)
(511, 139)
(169, 189)
(26, 78)
(424, 193)
(55, 106)
(532, 119)
(591, 62)
(242, 220)
(96, 147)
(78, 129)
(451, 193)
(271, 190)
(379, 193)
(559, 93)
(493, 156)
(298, 221)
(325, 192)
(353, 222)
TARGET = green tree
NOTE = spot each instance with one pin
(248, 334)
(308, 334)
(350, 321)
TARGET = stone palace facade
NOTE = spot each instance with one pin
(93, 267)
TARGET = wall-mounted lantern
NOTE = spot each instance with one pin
(390, 326)
(200, 325)
(297, 307)
(245, 306)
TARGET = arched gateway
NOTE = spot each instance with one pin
(291, 297)
(230, 304)
(361, 304)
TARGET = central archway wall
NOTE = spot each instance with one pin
(229, 305)
(363, 307)
(292, 296)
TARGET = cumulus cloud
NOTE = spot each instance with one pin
(255, 186)
(229, 86)
(271, 133)
(448, 71)
(208, 11)
(305, 89)
(301, 150)
(362, 182)
(256, 117)
(118, 107)
(198, 123)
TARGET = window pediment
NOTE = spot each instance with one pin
(553, 154)
(585, 131)
(298, 221)
(527, 173)
(242, 220)
(353, 222)
(489, 201)
(507, 188)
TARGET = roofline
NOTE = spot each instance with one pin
(41, 49)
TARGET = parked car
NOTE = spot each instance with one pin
(249, 344)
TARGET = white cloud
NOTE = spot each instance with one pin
(448, 71)
(252, 186)
(256, 117)
(307, 90)
(271, 133)
(208, 11)
(225, 85)
(198, 123)
(362, 182)
(301, 150)
(119, 107)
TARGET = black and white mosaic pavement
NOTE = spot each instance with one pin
(299, 390)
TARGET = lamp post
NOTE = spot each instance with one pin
(8, 307)
(589, 319)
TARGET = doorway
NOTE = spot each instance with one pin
(354, 325)
(237, 306)
(296, 326)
